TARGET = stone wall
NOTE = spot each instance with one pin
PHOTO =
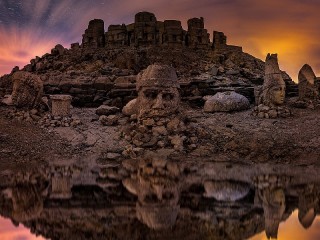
(173, 34)
(220, 43)
(147, 31)
(117, 35)
(197, 36)
(94, 35)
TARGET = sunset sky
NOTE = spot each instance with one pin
(287, 27)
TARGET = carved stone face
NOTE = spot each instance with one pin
(277, 94)
(158, 94)
(158, 101)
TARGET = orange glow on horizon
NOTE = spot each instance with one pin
(292, 230)
(9, 232)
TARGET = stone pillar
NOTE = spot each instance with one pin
(94, 35)
(60, 105)
(197, 36)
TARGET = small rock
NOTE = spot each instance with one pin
(108, 120)
(273, 113)
(106, 110)
(148, 122)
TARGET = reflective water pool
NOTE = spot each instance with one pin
(145, 199)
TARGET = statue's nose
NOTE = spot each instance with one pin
(159, 102)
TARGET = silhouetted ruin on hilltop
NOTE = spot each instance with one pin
(148, 31)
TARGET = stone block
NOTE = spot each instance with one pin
(60, 105)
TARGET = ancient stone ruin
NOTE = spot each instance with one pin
(60, 105)
(308, 90)
(147, 31)
(27, 89)
(158, 94)
(94, 35)
(156, 109)
(270, 97)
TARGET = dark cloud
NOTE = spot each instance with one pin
(288, 27)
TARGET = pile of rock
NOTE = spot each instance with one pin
(107, 115)
(58, 121)
(161, 133)
(271, 181)
(263, 111)
(31, 116)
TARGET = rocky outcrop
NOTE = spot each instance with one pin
(226, 102)
(107, 75)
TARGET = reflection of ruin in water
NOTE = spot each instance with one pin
(153, 199)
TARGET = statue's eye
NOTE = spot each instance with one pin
(167, 96)
(150, 198)
(151, 94)
(167, 196)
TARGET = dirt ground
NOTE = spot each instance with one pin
(234, 137)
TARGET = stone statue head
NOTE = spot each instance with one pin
(273, 202)
(158, 91)
(276, 94)
(273, 89)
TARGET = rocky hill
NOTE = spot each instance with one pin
(103, 67)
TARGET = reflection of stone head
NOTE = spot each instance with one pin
(306, 217)
(158, 93)
(27, 202)
(158, 202)
(274, 207)
(273, 90)
(158, 196)
(307, 212)
(157, 217)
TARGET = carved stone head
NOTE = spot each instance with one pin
(273, 202)
(273, 90)
(158, 94)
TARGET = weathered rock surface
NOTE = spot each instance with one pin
(226, 102)
(27, 90)
(226, 190)
(307, 87)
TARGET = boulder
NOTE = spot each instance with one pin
(27, 90)
(226, 102)
(131, 108)
(226, 190)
